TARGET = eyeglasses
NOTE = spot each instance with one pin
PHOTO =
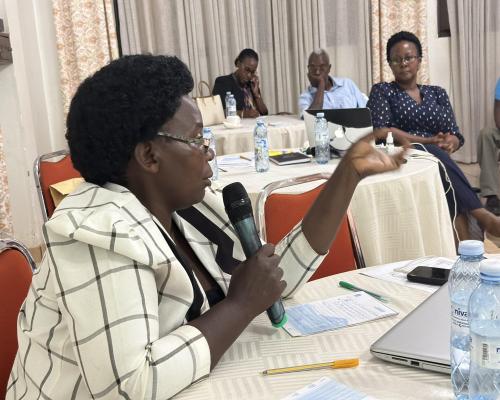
(202, 143)
(322, 67)
(405, 60)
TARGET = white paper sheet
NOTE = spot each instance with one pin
(396, 272)
(336, 312)
(327, 389)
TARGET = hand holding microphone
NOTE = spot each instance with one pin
(256, 282)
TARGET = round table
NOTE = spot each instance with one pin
(282, 131)
(399, 215)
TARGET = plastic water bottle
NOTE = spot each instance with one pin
(484, 321)
(226, 101)
(322, 139)
(231, 106)
(261, 146)
(464, 278)
(208, 134)
(390, 143)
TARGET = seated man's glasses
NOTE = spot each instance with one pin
(403, 60)
(321, 68)
(200, 142)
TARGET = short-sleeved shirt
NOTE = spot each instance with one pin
(391, 106)
(343, 94)
(497, 90)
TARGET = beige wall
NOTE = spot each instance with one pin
(439, 51)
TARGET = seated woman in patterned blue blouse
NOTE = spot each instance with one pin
(423, 115)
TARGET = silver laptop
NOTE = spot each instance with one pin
(422, 338)
(346, 125)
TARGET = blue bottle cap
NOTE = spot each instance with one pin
(471, 248)
(490, 268)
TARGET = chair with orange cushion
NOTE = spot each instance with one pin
(278, 213)
(49, 169)
(16, 271)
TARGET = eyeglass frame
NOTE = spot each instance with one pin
(201, 142)
(321, 67)
(405, 59)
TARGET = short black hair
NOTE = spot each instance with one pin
(123, 104)
(400, 37)
(246, 53)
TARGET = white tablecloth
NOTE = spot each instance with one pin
(283, 132)
(398, 215)
(261, 347)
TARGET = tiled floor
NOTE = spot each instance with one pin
(471, 171)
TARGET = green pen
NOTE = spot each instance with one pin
(350, 286)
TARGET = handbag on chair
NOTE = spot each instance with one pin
(210, 107)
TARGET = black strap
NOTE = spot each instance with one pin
(225, 245)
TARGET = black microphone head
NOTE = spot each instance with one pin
(236, 202)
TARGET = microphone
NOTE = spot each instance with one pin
(239, 211)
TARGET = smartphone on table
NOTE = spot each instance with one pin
(429, 275)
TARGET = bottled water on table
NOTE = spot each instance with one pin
(464, 278)
(484, 321)
(226, 101)
(208, 134)
(322, 139)
(231, 106)
(261, 146)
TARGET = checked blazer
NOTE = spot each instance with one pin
(105, 316)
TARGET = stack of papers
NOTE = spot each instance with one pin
(234, 161)
(336, 312)
(327, 389)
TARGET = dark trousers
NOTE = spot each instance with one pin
(466, 199)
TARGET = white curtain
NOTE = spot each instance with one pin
(475, 59)
(208, 35)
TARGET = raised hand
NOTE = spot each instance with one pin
(368, 160)
(255, 85)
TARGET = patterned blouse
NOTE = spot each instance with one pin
(391, 106)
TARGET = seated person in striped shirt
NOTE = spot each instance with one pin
(326, 91)
(144, 284)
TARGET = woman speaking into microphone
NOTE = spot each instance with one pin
(144, 285)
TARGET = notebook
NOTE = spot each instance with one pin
(422, 338)
(290, 158)
(346, 126)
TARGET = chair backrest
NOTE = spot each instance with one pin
(278, 213)
(49, 169)
(16, 271)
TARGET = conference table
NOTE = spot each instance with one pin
(283, 131)
(260, 347)
(398, 215)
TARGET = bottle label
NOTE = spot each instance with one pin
(231, 109)
(485, 352)
(459, 318)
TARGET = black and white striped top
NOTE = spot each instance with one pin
(105, 316)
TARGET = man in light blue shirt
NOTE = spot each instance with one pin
(327, 92)
(488, 144)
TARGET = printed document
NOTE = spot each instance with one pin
(336, 312)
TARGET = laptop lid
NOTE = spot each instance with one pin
(422, 338)
(346, 125)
